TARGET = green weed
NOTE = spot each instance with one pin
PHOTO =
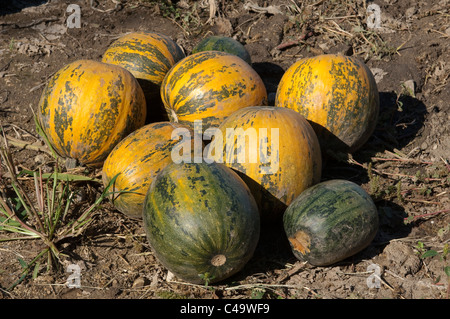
(44, 218)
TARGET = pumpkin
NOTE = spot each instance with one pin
(223, 44)
(330, 222)
(137, 159)
(274, 149)
(337, 94)
(209, 86)
(87, 107)
(148, 56)
(201, 221)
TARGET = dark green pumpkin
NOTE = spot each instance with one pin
(330, 221)
(201, 221)
(224, 44)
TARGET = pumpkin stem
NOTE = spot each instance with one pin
(174, 116)
(218, 260)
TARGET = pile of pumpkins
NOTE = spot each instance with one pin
(147, 103)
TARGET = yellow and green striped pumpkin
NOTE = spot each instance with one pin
(136, 160)
(148, 56)
(337, 94)
(88, 107)
(209, 86)
(284, 161)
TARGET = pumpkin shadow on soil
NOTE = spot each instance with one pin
(272, 253)
(273, 250)
(15, 6)
(400, 119)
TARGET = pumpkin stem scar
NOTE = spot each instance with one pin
(218, 260)
(300, 242)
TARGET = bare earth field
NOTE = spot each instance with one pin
(404, 166)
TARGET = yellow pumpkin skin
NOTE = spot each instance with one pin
(88, 107)
(148, 56)
(273, 184)
(136, 161)
(337, 94)
(209, 86)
